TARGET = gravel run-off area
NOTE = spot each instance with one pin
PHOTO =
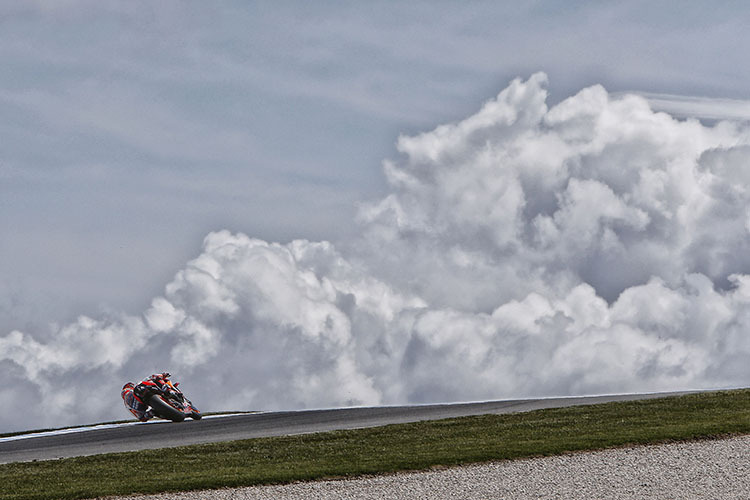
(712, 469)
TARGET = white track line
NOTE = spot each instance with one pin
(71, 430)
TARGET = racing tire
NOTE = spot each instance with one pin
(196, 415)
(164, 410)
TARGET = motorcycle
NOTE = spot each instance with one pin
(166, 400)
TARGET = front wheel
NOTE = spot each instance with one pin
(164, 410)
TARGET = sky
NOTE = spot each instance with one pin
(349, 203)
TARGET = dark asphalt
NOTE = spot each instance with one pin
(234, 427)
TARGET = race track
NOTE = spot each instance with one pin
(161, 434)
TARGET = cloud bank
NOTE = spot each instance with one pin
(593, 247)
(709, 108)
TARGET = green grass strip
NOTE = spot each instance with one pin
(386, 449)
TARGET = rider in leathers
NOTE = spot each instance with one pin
(138, 408)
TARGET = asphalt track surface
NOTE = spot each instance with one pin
(164, 434)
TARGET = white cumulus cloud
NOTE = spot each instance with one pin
(596, 246)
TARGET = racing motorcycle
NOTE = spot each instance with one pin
(166, 400)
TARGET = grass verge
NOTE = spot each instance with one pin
(383, 449)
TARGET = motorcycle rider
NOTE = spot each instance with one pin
(138, 408)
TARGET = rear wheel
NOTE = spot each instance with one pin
(164, 410)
